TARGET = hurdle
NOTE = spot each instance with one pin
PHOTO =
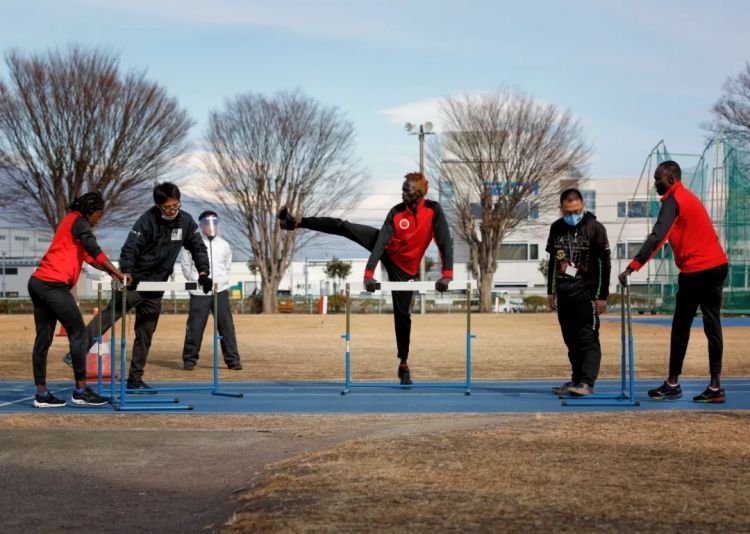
(410, 286)
(626, 396)
(125, 403)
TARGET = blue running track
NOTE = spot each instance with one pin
(513, 396)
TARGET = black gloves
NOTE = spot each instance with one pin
(442, 284)
(371, 285)
(206, 283)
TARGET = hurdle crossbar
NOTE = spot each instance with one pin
(411, 286)
(626, 396)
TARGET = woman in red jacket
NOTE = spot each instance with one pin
(49, 288)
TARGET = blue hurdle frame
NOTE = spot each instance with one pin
(120, 399)
(626, 396)
(349, 384)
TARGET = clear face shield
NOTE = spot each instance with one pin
(210, 226)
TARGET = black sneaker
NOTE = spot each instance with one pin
(563, 390)
(88, 398)
(288, 222)
(404, 375)
(715, 396)
(237, 366)
(580, 390)
(139, 388)
(188, 366)
(48, 401)
(666, 392)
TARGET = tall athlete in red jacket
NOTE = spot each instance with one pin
(399, 245)
(49, 288)
(703, 264)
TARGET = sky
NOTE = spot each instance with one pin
(633, 73)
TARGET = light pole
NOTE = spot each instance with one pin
(423, 129)
(4, 294)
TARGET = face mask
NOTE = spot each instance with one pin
(169, 217)
(574, 218)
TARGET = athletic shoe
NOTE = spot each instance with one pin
(140, 388)
(665, 392)
(562, 390)
(715, 396)
(188, 366)
(88, 398)
(404, 375)
(237, 366)
(68, 360)
(288, 222)
(580, 390)
(48, 401)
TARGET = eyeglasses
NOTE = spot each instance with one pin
(172, 208)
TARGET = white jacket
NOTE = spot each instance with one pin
(221, 261)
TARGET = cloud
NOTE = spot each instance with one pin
(418, 112)
(331, 19)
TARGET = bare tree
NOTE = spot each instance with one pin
(72, 122)
(503, 154)
(286, 149)
(732, 110)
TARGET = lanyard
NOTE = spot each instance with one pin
(571, 246)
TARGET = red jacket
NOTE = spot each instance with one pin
(405, 235)
(74, 243)
(684, 221)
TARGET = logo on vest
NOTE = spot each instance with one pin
(403, 224)
(177, 234)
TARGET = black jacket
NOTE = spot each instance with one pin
(586, 247)
(152, 247)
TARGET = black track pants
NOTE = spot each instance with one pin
(702, 289)
(200, 307)
(580, 329)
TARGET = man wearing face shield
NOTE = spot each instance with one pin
(220, 258)
(703, 265)
(399, 245)
(577, 287)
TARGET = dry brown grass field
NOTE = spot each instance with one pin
(601, 472)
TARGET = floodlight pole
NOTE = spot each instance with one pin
(421, 133)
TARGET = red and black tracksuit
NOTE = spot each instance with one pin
(49, 288)
(578, 275)
(399, 245)
(703, 265)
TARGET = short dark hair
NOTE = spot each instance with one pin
(164, 191)
(670, 168)
(87, 203)
(570, 194)
(208, 213)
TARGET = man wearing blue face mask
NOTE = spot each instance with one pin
(577, 287)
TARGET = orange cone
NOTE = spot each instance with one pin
(92, 362)
(62, 332)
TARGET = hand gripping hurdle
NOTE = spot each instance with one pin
(626, 396)
(411, 286)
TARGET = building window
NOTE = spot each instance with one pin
(44, 240)
(633, 249)
(21, 238)
(2, 237)
(9, 270)
(533, 251)
(589, 199)
(512, 252)
(635, 209)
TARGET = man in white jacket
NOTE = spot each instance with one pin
(201, 304)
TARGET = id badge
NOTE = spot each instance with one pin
(570, 270)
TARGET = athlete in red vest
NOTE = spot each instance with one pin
(703, 264)
(49, 288)
(400, 243)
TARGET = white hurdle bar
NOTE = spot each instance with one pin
(466, 285)
(152, 286)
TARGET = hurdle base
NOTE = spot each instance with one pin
(228, 394)
(419, 385)
(151, 401)
(153, 408)
(601, 402)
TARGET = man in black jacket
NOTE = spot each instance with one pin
(577, 287)
(149, 254)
